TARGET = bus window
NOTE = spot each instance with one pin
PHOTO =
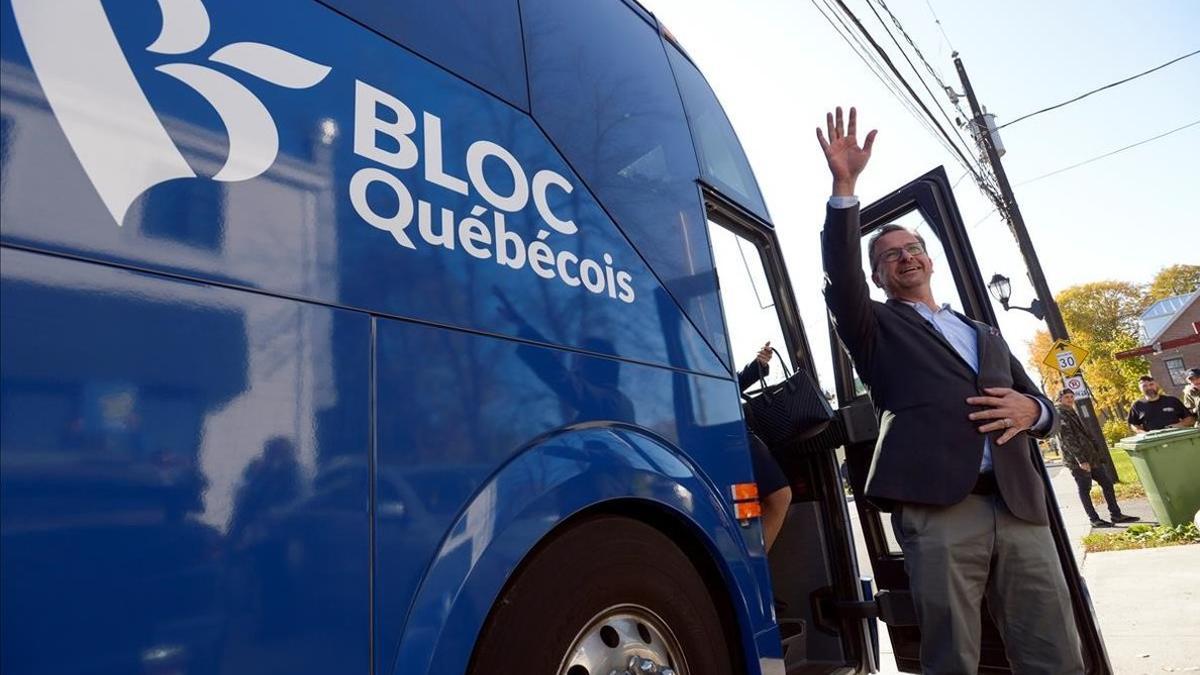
(616, 116)
(746, 296)
(722, 161)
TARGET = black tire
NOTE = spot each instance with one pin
(595, 565)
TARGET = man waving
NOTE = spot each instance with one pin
(952, 462)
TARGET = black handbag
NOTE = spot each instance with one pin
(787, 412)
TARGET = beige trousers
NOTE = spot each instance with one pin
(956, 554)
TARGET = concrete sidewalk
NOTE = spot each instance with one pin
(1145, 600)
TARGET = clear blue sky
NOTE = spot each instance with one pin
(777, 66)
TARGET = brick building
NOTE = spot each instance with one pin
(1167, 321)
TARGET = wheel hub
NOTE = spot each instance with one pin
(624, 640)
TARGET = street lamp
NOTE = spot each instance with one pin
(1001, 289)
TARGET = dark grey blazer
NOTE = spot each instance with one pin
(928, 452)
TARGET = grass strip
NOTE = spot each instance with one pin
(1142, 536)
(1130, 486)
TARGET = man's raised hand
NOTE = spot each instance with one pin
(846, 159)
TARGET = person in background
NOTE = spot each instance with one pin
(1191, 394)
(1156, 410)
(1084, 456)
(772, 483)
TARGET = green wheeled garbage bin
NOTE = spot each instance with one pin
(1168, 463)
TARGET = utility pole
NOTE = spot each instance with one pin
(1054, 320)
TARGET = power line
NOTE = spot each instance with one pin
(981, 220)
(911, 65)
(1108, 154)
(860, 50)
(990, 188)
(868, 59)
(850, 37)
(928, 66)
(939, 25)
(954, 100)
(1099, 89)
(980, 180)
(900, 77)
(937, 77)
(981, 175)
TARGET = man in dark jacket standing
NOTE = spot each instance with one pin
(953, 462)
(1084, 456)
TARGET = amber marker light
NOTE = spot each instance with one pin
(744, 491)
(747, 510)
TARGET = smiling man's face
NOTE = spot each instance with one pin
(909, 274)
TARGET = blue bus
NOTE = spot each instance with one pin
(364, 337)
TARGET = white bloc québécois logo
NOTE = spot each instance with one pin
(105, 115)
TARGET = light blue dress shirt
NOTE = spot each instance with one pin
(960, 334)
(965, 341)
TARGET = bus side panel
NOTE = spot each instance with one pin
(520, 506)
(393, 185)
(183, 476)
(601, 87)
(454, 407)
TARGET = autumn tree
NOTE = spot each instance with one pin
(1102, 317)
(1103, 310)
(1173, 280)
(1039, 346)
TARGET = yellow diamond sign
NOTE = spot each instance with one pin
(1065, 357)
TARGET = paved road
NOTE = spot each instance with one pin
(1145, 600)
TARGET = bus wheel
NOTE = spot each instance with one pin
(610, 594)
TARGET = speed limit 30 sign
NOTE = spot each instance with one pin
(1065, 357)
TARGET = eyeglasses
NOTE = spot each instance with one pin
(893, 254)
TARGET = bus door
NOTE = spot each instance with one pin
(926, 205)
(812, 564)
